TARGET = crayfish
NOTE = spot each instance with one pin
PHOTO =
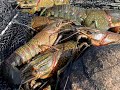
(35, 60)
(41, 58)
(39, 43)
(32, 6)
(53, 61)
(46, 64)
(97, 19)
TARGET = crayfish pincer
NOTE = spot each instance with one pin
(100, 38)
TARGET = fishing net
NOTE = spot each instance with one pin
(13, 33)
(13, 38)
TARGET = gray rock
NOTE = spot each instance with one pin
(97, 69)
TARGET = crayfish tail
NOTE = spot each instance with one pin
(14, 60)
(27, 51)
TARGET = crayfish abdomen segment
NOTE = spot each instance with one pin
(14, 60)
(27, 51)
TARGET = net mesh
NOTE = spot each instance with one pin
(14, 36)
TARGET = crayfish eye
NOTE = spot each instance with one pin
(93, 22)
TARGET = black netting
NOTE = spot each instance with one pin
(14, 37)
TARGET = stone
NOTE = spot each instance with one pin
(97, 69)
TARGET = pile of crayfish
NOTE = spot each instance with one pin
(60, 39)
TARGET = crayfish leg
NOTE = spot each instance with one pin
(115, 29)
(83, 44)
(28, 79)
(58, 39)
(50, 47)
(36, 85)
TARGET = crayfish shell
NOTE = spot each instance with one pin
(38, 23)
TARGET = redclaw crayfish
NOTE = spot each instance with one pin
(53, 61)
(39, 43)
(32, 6)
(44, 65)
(97, 19)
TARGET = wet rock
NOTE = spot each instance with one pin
(97, 69)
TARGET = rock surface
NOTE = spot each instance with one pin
(97, 69)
